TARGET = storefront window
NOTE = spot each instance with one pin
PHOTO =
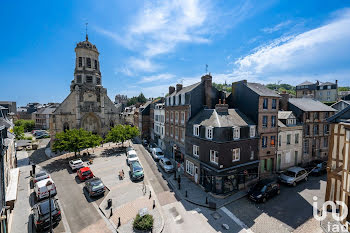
(230, 183)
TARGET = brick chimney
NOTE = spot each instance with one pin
(178, 87)
(221, 108)
(284, 101)
(171, 90)
(207, 82)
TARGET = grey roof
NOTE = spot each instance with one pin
(46, 111)
(310, 105)
(305, 83)
(262, 90)
(345, 101)
(284, 114)
(209, 117)
(326, 83)
(5, 122)
(186, 89)
(280, 124)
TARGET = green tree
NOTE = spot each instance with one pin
(28, 125)
(344, 89)
(18, 131)
(122, 133)
(75, 140)
(137, 99)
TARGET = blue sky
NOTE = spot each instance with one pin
(148, 45)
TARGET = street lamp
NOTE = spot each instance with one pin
(49, 186)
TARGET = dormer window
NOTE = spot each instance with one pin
(252, 131)
(209, 132)
(196, 130)
(236, 133)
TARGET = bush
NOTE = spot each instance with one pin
(144, 223)
(28, 138)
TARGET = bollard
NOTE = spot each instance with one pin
(119, 222)
(109, 203)
(31, 173)
(150, 194)
(154, 204)
(174, 175)
(206, 200)
(110, 215)
(186, 194)
(33, 168)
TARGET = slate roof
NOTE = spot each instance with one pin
(262, 90)
(186, 89)
(326, 84)
(209, 117)
(284, 115)
(340, 116)
(46, 111)
(310, 105)
(305, 83)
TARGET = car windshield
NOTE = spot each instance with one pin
(160, 153)
(45, 208)
(132, 156)
(86, 173)
(167, 163)
(77, 162)
(137, 168)
(259, 187)
(40, 174)
(289, 173)
(96, 184)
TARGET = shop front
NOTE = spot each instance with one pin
(228, 180)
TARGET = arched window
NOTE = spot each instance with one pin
(65, 126)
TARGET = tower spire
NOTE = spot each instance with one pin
(87, 37)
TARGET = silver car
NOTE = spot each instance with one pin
(293, 175)
(166, 165)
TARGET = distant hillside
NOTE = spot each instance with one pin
(282, 87)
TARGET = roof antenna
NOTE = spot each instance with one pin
(87, 37)
(206, 68)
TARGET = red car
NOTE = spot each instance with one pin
(85, 173)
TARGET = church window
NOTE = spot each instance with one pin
(89, 79)
(78, 78)
(95, 64)
(98, 81)
(65, 126)
(88, 60)
(80, 61)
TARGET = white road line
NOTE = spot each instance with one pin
(236, 220)
(64, 219)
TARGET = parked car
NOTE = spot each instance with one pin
(151, 146)
(95, 187)
(42, 135)
(41, 214)
(264, 190)
(76, 164)
(293, 175)
(131, 157)
(316, 167)
(85, 173)
(136, 171)
(157, 153)
(129, 149)
(41, 175)
(166, 165)
(145, 143)
(41, 191)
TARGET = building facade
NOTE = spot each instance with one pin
(87, 106)
(261, 105)
(159, 125)
(144, 122)
(324, 92)
(338, 169)
(42, 117)
(290, 136)
(221, 149)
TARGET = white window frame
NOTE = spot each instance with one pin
(209, 132)
(171, 101)
(195, 151)
(177, 100)
(236, 154)
(252, 131)
(196, 130)
(176, 117)
(236, 132)
(214, 158)
(189, 167)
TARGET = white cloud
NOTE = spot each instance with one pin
(159, 77)
(277, 27)
(321, 50)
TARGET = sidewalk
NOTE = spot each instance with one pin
(196, 195)
(21, 218)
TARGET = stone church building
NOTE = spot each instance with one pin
(87, 106)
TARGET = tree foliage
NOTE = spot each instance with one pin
(137, 99)
(28, 125)
(344, 89)
(122, 133)
(18, 130)
(282, 88)
(75, 140)
(144, 223)
(223, 87)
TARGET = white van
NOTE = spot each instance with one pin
(157, 153)
(41, 191)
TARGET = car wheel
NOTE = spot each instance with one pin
(264, 200)
(305, 178)
(294, 184)
(278, 192)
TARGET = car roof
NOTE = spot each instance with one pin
(295, 169)
(41, 172)
(84, 169)
(43, 182)
(93, 179)
(266, 181)
(76, 160)
(165, 159)
(132, 151)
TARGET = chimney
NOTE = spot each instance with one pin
(284, 101)
(221, 108)
(171, 90)
(178, 87)
(207, 82)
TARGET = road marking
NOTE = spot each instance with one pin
(236, 220)
(64, 219)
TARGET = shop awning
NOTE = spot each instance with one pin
(225, 170)
(11, 192)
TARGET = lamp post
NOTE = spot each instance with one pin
(49, 186)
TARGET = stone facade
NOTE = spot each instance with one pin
(87, 106)
(324, 92)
